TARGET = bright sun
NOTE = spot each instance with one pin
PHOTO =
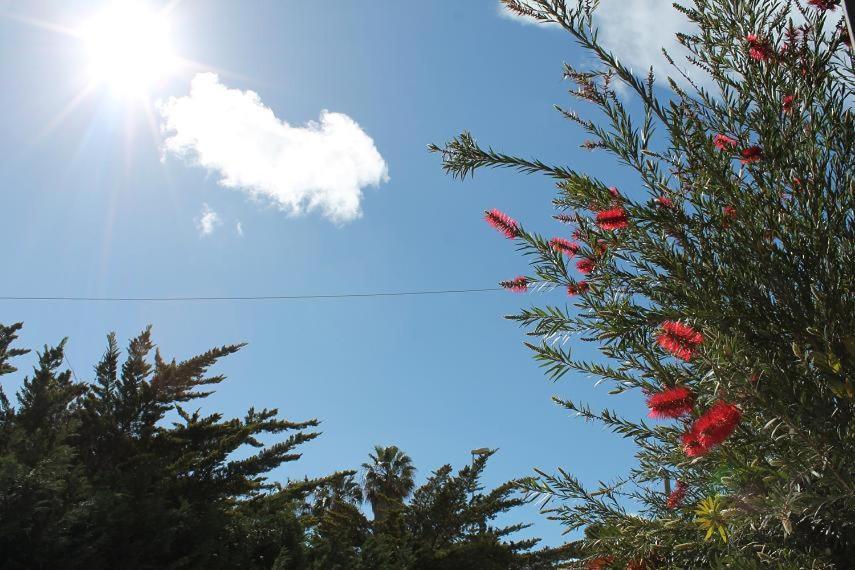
(128, 47)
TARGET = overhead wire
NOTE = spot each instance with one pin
(168, 299)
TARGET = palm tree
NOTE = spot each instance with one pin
(388, 480)
(342, 491)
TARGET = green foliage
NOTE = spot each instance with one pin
(757, 255)
(388, 480)
(117, 474)
(448, 523)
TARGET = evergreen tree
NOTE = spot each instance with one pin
(453, 520)
(43, 489)
(118, 474)
(721, 289)
(339, 530)
(449, 522)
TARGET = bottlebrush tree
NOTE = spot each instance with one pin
(721, 288)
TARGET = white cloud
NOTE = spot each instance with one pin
(207, 221)
(321, 166)
(636, 31)
(239, 229)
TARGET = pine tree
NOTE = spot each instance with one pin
(721, 288)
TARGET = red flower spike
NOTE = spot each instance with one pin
(692, 446)
(724, 142)
(599, 563)
(502, 222)
(758, 49)
(613, 219)
(680, 340)
(517, 285)
(586, 265)
(664, 202)
(564, 246)
(787, 103)
(671, 403)
(675, 498)
(716, 424)
(577, 288)
(614, 192)
(729, 213)
(602, 246)
(751, 154)
(824, 5)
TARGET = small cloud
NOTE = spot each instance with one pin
(321, 166)
(239, 229)
(637, 30)
(207, 221)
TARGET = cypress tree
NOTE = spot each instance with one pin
(119, 473)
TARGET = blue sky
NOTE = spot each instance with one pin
(93, 205)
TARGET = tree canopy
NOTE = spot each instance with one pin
(719, 286)
(117, 472)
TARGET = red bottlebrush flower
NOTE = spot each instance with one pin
(664, 202)
(729, 213)
(754, 378)
(602, 246)
(758, 49)
(586, 265)
(636, 565)
(692, 445)
(613, 219)
(724, 142)
(716, 424)
(577, 234)
(517, 285)
(675, 498)
(824, 5)
(577, 288)
(564, 246)
(614, 192)
(680, 340)
(751, 154)
(599, 563)
(502, 222)
(787, 103)
(671, 403)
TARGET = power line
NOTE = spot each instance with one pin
(247, 298)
